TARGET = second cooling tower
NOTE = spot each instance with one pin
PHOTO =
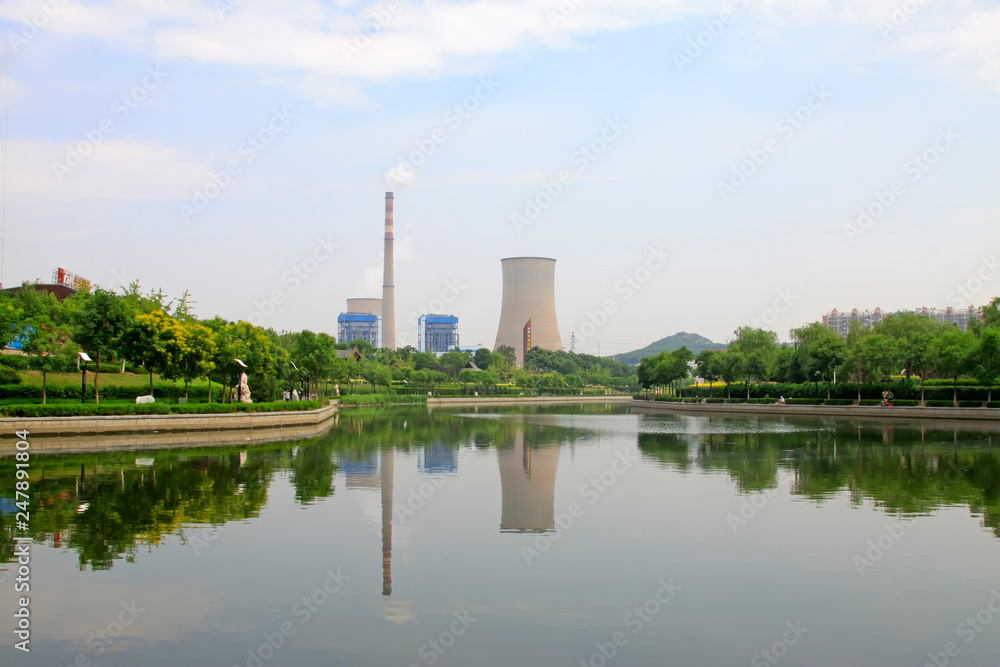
(528, 310)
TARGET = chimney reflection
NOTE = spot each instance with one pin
(528, 486)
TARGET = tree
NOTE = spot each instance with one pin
(49, 346)
(148, 341)
(190, 350)
(482, 358)
(952, 355)
(707, 368)
(987, 358)
(820, 350)
(10, 322)
(99, 325)
(423, 361)
(670, 367)
(454, 361)
(314, 353)
(913, 334)
(508, 353)
(758, 350)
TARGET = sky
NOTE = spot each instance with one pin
(691, 165)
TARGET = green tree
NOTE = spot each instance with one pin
(10, 321)
(987, 358)
(758, 350)
(482, 358)
(913, 334)
(48, 345)
(454, 361)
(190, 349)
(820, 350)
(952, 354)
(314, 353)
(99, 325)
(148, 341)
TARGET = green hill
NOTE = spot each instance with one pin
(691, 341)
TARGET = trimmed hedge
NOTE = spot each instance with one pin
(940, 404)
(804, 401)
(839, 401)
(381, 399)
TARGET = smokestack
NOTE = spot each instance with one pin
(388, 286)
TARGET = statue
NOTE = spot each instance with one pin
(244, 391)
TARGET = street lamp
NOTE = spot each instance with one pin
(84, 357)
(239, 380)
(291, 383)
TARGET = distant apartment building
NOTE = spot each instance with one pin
(841, 321)
(437, 333)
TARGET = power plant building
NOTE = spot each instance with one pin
(362, 321)
(437, 333)
(528, 308)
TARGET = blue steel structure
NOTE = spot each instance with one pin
(437, 333)
(363, 326)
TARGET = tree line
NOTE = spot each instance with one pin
(907, 345)
(157, 335)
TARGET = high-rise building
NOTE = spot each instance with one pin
(841, 321)
(437, 333)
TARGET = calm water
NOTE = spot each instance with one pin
(579, 535)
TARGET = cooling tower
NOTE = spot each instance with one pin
(388, 286)
(527, 486)
(528, 296)
(367, 306)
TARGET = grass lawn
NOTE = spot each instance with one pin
(107, 379)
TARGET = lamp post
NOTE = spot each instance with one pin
(84, 357)
(239, 380)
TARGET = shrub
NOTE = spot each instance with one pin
(839, 401)
(9, 376)
(16, 361)
(940, 404)
(905, 402)
(804, 401)
(993, 404)
(970, 404)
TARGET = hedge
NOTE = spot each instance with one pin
(847, 390)
(839, 401)
(85, 410)
(382, 399)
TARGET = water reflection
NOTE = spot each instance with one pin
(111, 506)
(528, 484)
(901, 468)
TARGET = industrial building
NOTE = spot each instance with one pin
(362, 321)
(437, 333)
(528, 308)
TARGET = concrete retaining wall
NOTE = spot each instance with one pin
(45, 426)
(854, 411)
(523, 400)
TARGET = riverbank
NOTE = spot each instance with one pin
(852, 411)
(486, 401)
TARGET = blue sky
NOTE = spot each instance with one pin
(315, 122)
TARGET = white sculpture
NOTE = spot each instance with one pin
(244, 391)
(145, 399)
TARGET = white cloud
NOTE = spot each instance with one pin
(116, 169)
(328, 50)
